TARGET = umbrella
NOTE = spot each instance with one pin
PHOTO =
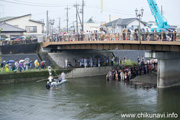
(11, 61)
(21, 61)
(43, 61)
(130, 28)
(13, 38)
(163, 30)
(9, 64)
(27, 59)
(172, 28)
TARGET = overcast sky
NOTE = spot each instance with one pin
(56, 8)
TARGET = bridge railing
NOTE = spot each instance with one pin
(131, 36)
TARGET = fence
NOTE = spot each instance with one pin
(133, 36)
(20, 42)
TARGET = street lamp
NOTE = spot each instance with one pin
(139, 14)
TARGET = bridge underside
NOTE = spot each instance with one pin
(168, 68)
(111, 45)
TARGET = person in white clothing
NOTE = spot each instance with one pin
(63, 76)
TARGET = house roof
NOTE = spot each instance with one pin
(10, 28)
(6, 18)
(120, 22)
(12, 18)
(36, 21)
(90, 20)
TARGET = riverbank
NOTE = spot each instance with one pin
(17, 77)
(146, 80)
(40, 75)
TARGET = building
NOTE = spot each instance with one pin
(90, 25)
(32, 27)
(7, 30)
(111, 18)
(151, 24)
(118, 25)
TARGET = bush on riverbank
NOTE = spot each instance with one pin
(128, 63)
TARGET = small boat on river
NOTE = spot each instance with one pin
(53, 83)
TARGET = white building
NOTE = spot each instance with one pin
(118, 25)
(32, 27)
(151, 24)
(90, 25)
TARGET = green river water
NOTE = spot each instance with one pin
(90, 98)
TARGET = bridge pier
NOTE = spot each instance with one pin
(168, 73)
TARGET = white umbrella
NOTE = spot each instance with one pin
(27, 59)
(21, 61)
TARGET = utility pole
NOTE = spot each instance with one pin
(47, 23)
(76, 6)
(161, 10)
(67, 19)
(109, 17)
(59, 25)
(82, 15)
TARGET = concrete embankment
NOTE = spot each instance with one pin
(91, 71)
(27, 76)
(147, 80)
(40, 75)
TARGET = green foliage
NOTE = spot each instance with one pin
(28, 37)
(34, 75)
(129, 63)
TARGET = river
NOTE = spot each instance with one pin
(90, 98)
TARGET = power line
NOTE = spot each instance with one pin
(35, 3)
(28, 4)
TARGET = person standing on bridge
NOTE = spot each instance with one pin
(174, 35)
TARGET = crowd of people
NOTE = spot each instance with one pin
(21, 65)
(142, 67)
(126, 34)
(90, 62)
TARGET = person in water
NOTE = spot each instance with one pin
(63, 76)
(50, 78)
(59, 78)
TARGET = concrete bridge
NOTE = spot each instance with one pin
(167, 52)
(111, 45)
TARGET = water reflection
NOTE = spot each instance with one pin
(168, 100)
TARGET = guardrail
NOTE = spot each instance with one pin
(20, 42)
(133, 36)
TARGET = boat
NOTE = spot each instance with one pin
(51, 85)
